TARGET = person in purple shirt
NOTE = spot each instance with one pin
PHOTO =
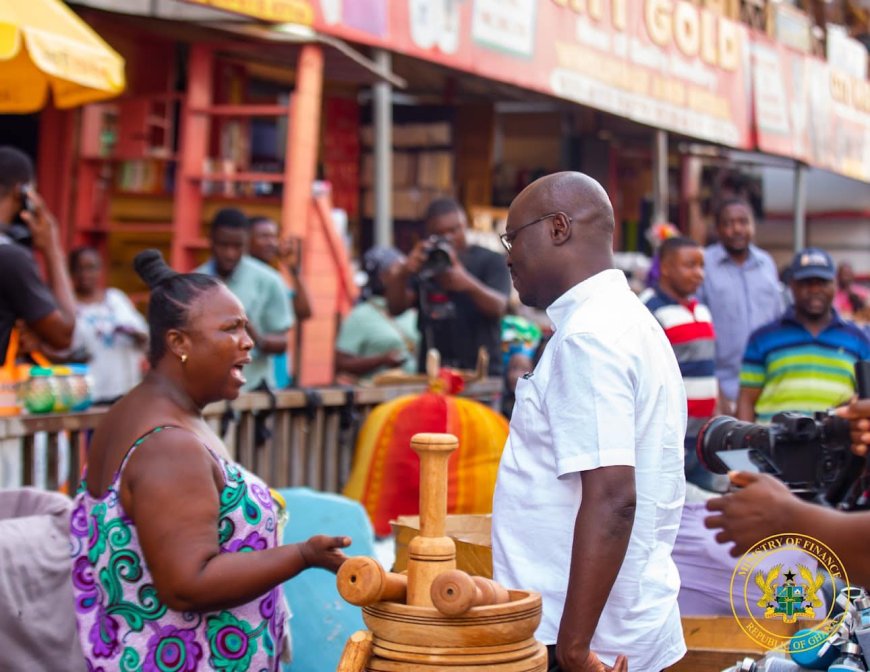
(741, 288)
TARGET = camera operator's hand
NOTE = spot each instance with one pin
(456, 278)
(763, 506)
(415, 260)
(42, 224)
(857, 412)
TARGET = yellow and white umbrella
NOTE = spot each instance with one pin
(43, 44)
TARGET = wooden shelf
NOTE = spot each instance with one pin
(119, 159)
(276, 178)
(243, 200)
(198, 244)
(156, 195)
(244, 110)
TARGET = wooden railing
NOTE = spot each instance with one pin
(312, 433)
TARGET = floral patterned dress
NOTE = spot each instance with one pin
(122, 623)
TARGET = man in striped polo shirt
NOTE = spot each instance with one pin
(805, 360)
(689, 327)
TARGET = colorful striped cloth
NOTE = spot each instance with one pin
(385, 476)
(799, 372)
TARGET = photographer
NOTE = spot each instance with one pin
(461, 291)
(764, 506)
(48, 310)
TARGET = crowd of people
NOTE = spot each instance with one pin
(604, 417)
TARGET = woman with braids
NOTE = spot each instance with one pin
(176, 561)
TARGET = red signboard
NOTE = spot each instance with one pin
(807, 110)
(667, 64)
(664, 63)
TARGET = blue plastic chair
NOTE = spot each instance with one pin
(322, 621)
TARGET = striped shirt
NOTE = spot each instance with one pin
(689, 327)
(797, 371)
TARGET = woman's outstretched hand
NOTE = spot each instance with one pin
(324, 552)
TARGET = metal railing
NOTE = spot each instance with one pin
(301, 437)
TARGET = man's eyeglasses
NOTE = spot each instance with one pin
(507, 239)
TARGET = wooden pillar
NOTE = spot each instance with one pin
(193, 149)
(303, 138)
(55, 169)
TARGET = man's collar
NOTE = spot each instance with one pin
(752, 258)
(562, 308)
(689, 303)
(791, 316)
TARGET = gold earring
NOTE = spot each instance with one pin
(184, 358)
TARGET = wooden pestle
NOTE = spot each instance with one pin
(455, 592)
(431, 552)
(362, 581)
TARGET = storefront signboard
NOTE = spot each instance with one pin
(809, 111)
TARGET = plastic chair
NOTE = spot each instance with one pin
(322, 621)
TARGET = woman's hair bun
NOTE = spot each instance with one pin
(151, 267)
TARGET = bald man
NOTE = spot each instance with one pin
(590, 487)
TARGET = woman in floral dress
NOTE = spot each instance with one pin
(176, 561)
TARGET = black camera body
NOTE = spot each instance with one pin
(811, 454)
(438, 251)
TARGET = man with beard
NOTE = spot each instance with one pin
(804, 361)
(590, 486)
(741, 289)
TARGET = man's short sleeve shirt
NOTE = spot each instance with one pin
(607, 391)
(23, 293)
(799, 372)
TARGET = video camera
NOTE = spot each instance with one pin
(810, 454)
(438, 260)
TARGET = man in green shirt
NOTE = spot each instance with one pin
(258, 286)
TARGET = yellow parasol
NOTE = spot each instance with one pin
(44, 43)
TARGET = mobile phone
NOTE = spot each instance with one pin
(26, 191)
(18, 229)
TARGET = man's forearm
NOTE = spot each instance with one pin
(746, 398)
(601, 534)
(491, 303)
(399, 298)
(58, 278)
(847, 534)
(272, 344)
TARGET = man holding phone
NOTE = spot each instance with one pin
(48, 309)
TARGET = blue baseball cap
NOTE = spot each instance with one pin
(812, 262)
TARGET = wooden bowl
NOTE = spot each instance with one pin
(424, 628)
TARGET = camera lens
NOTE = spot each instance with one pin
(725, 433)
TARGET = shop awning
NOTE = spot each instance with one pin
(43, 44)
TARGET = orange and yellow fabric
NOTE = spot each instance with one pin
(385, 476)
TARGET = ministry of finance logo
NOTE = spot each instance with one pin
(781, 580)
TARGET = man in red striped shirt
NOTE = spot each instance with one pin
(689, 327)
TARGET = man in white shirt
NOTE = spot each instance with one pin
(590, 487)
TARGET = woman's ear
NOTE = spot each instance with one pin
(178, 343)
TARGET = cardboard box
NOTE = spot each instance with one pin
(471, 532)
